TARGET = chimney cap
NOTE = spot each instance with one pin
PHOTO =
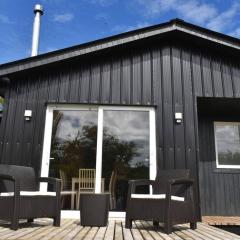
(38, 8)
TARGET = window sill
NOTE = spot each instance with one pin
(226, 170)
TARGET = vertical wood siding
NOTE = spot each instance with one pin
(168, 77)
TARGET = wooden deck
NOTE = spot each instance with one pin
(221, 220)
(42, 229)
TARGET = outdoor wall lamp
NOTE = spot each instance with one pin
(28, 115)
(178, 117)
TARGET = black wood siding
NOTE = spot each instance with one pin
(167, 76)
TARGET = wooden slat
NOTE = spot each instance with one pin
(141, 230)
(118, 231)
(51, 232)
(146, 235)
(73, 233)
(101, 233)
(221, 220)
(127, 234)
(91, 233)
(219, 232)
(157, 234)
(82, 233)
(135, 232)
(110, 231)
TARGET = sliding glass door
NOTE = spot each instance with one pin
(125, 152)
(117, 143)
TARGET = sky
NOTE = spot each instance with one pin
(66, 23)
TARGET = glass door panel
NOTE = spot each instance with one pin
(73, 146)
(125, 152)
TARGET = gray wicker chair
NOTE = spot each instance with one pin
(20, 197)
(172, 201)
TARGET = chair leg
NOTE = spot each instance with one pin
(30, 220)
(167, 228)
(62, 201)
(155, 223)
(193, 225)
(128, 223)
(78, 201)
(14, 224)
(56, 221)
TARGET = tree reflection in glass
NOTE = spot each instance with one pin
(125, 148)
(125, 152)
(228, 143)
(74, 140)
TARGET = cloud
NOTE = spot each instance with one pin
(193, 10)
(5, 19)
(103, 3)
(235, 32)
(63, 18)
(125, 28)
(196, 11)
(225, 19)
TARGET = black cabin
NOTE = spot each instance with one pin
(161, 97)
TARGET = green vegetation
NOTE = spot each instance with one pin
(1, 103)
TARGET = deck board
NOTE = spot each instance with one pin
(221, 220)
(141, 230)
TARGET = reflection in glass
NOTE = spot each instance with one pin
(73, 146)
(1, 107)
(125, 152)
(228, 143)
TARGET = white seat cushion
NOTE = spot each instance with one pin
(29, 193)
(156, 196)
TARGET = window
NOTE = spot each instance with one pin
(117, 142)
(227, 144)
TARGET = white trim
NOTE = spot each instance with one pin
(152, 145)
(156, 196)
(46, 147)
(75, 214)
(126, 108)
(99, 151)
(72, 107)
(216, 149)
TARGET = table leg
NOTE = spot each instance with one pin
(72, 195)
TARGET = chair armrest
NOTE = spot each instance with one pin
(54, 181)
(139, 182)
(189, 182)
(184, 181)
(7, 177)
(15, 182)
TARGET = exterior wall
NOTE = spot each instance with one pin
(218, 186)
(169, 77)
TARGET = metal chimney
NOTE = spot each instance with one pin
(38, 10)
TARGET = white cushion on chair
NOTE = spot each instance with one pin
(29, 193)
(156, 196)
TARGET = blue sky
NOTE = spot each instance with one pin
(70, 22)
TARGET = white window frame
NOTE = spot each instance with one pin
(216, 149)
(100, 109)
(152, 140)
(48, 135)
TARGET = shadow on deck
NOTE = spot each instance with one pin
(142, 230)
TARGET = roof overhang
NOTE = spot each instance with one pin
(118, 40)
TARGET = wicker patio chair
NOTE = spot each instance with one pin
(65, 191)
(172, 200)
(20, 197)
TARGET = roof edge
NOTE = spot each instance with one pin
(116, 40)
